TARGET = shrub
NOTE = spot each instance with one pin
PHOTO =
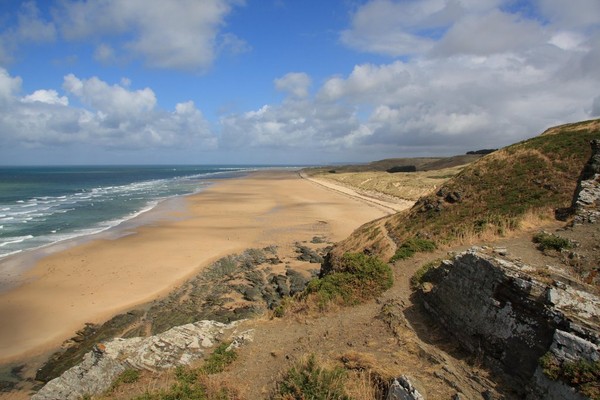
(308, 380)
(549, 241)
(411, 246)
(357, 278)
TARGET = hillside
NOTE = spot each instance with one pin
(420, 164)
(501, 192)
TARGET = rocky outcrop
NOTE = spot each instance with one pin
(178, 346)
(499, 311)
(403, 389)
(586, 202)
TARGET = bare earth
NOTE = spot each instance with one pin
(93, 281)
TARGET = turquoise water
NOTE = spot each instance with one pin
(40, 206)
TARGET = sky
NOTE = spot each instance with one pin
(288, 81)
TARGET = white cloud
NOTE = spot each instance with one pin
(47, 97)
(115, 101)
(296, 124)
(392, 28)
(9, 86)
(114, 117)
(494, 32)
(294, 83)
(178, 34)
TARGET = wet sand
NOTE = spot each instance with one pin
(94, 280)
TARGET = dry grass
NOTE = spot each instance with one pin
(353, 375)
(402, 185)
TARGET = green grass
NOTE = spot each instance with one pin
(547, 241)
(308, 380)
(130, 375)
(583, 375)
(219, 359)
(357, 278)
(411, 246)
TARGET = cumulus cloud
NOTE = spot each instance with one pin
(180, 34)
(113, 117)
(296, 124)
(111, 100)
(47, 97)
(9, 86)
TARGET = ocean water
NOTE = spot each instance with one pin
(40, 206)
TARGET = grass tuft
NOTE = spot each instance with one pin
(547, 241)
(309, 380)
(219, 359)
(411, 246)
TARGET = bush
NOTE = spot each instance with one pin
(358, 278)
(549, 241)
(308, 380)
(412, 246)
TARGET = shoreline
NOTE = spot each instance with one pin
(92, 281)
(13, 265)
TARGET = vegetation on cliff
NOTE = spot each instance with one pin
(495, 194)
(490, 196)
(358, 278)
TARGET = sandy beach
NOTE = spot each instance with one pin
(92, 281)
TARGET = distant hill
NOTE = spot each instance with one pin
(491, 196)
(419, 164)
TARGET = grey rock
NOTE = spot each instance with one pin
(178, 346)
(496, 310)
(586, 202)
(403, 389)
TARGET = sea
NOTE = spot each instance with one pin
(41, 206)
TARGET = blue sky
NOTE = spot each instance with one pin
(288, 82)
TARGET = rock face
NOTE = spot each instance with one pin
(586, 202)
(178, 346)
(496, 310)
(403, 389)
